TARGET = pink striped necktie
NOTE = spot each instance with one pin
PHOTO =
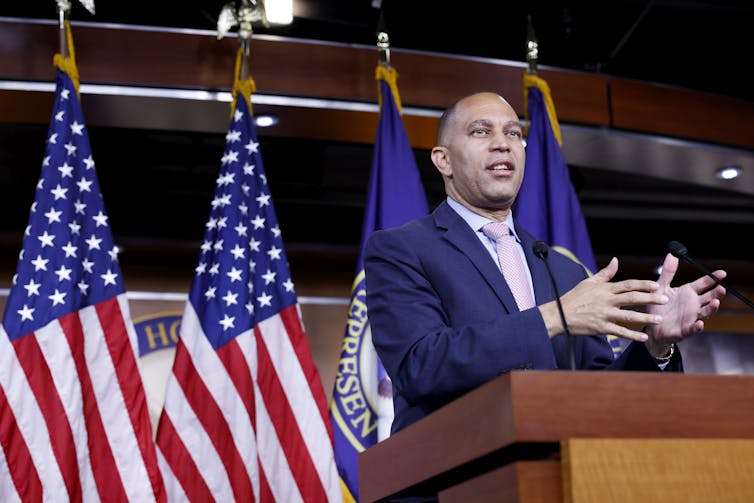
(510, 262)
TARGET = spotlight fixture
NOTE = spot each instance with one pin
(279, 12)
(265, 120)
(728, 172)
(247, 12)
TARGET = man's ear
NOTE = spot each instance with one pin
(441, 160)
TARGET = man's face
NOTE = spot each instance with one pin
(481, 153)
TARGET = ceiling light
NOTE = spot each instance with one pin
(728, 172)
(279, 11)
(265, 120)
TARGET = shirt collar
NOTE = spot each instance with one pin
(477, 221)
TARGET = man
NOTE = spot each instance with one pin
(445, 321)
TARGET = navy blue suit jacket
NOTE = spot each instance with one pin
(444, 321)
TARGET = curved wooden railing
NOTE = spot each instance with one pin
(182, 59)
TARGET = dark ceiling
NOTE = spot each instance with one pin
(698, 45)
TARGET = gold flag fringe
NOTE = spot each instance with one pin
(390, 76)
(534, 81)
(245, 87)
(68, 64)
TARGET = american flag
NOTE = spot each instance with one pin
(245, 414)
(74, 424)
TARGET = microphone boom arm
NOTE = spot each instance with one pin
(678, 250)
(541, 251)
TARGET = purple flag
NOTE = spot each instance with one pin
(362, 404)
(547, 205)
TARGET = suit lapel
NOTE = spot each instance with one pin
(458, 233)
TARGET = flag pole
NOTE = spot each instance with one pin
(547, 175)
(241, 74)
(242, 15)
(531, 79)
(64, 8)
(383, 47)
(386, 72)
(532, 47)
(245, 15)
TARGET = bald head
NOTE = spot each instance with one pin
(450, 114)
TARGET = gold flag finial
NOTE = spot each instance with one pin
(241, 13)
(383, 45)
(532, 48)
(64, 6)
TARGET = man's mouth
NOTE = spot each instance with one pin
(501, 166)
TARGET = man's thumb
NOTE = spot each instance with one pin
(608, 272)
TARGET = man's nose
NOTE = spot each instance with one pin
(499, 141)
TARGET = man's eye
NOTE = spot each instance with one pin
(479, 132)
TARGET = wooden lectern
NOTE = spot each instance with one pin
(576, 436)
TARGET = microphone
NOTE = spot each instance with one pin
(540, 251)
(678, 250)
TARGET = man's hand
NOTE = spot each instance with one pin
(595, 306)
(687, 308)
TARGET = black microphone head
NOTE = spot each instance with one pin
(540, 249)
(677, 249)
